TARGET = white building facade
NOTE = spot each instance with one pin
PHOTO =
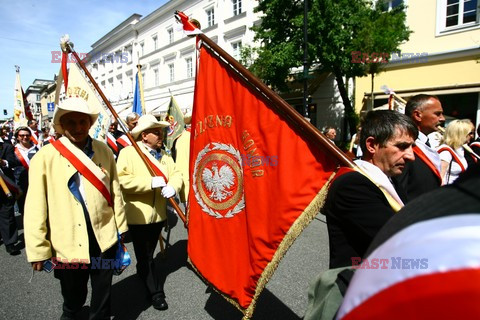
(167, 56)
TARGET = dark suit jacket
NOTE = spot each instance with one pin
(417, 178)
(475, 148)
(6, 153)
(355, 209)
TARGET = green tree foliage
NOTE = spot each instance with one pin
(336, 28)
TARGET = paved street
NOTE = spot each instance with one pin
(285, 296)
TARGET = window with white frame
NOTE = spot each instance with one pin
(155, 42)
(237, 7)
(171, 72)
(210, 17)
(170, 35)
(156, 80)
(460, 13)
(236, 47)
(189, 63)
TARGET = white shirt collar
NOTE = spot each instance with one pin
(148, 147)
(422, 137)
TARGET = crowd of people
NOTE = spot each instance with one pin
(398, 173)
(109, 191)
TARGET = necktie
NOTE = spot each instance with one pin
(428, 143)
(157, 155)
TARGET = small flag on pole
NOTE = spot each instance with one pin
(177, 124)
(19, 107)
(138, 100)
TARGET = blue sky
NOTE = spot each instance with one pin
(30, 30)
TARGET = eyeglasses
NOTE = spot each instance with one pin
(24, 135)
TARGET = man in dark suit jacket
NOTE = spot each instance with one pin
(360, 203)
(440, 230)
(423, 174)
(8, 225)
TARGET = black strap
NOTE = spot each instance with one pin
(343, 280)
(449, 170)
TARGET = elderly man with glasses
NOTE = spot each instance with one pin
(145, 197)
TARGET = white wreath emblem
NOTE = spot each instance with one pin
(222, 147)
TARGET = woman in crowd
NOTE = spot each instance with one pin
(24, 151)
(452, 151)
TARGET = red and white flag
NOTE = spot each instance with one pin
(189, 26)
(429, 270)
(255, 183)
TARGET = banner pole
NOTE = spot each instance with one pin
(5, 189)
(297, 120)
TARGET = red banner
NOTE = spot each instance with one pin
(255, 183)
(26, 105)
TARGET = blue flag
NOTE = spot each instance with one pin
(137, 100)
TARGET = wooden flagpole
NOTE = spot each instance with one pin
(5, 189)
(69, 49)
(296, 119)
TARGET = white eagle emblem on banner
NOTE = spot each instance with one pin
(218, 180)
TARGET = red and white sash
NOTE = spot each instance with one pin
(419, 153)
(85, 166)
(123, 140)
(25, 162)
(112, 142)
(154, 163)
(475, 144)
(454, 156)
(34, 137)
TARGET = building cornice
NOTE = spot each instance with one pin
(118, 30)
(434, 57)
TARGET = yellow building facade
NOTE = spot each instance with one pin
(442, 57)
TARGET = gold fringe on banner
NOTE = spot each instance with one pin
(297, 227)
